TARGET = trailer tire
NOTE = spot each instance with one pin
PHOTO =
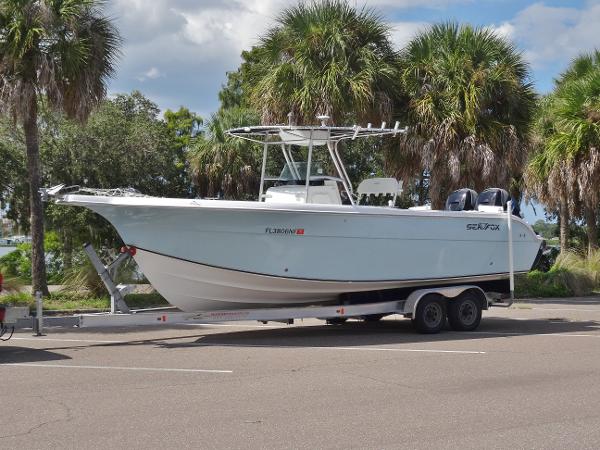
(430, 316)
(336, 320)
(464, 312)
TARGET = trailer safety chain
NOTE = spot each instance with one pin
(4, 329)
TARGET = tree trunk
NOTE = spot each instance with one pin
(38, 262)
(591, 225)
(438, 192)
(564, 224)
(67, 250)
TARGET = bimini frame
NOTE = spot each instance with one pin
(285, 136)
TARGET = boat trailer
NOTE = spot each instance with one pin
(331, 313)
(420, 305)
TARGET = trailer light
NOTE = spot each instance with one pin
(131, 250)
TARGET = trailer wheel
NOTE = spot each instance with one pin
(430, 316)
(464, 313)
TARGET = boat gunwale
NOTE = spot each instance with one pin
(237, 205)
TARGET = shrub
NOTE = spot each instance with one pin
(18, 263)
(69, 301)
(11, 262)
(10, 285)
(541, 284)
(573, 273)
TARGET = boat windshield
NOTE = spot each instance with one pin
(298, 171)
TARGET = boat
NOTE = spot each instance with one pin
(307, 240)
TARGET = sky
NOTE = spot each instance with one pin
(177, 52)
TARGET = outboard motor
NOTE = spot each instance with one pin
(462, 200)
(492, 200)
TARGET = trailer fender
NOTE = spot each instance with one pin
(449, 292)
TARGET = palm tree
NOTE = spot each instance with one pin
(222, 165)
(56, 51)
(324, 57)
(572, 144)
(470, 106)
(551, 184)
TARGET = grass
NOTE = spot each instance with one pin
(573, 274)
(11, 285)
(69, 302)
(541, 284)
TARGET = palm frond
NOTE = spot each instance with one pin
(325, 57)
(63, 50)
(222, 165)
(471, 102)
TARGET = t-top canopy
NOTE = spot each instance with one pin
(309, 136)
(303, 135)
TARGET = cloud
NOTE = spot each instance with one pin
(197, 42)
(403, 4)
(552, 35)
(151, 74)
(403, 32)
(506, 30)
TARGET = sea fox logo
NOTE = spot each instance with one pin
(483, 226)
(298, 231)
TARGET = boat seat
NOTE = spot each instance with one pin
(379, 188)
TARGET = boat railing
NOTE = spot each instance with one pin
(61, 190)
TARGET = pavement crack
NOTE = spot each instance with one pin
(388, 382)
(68, 417)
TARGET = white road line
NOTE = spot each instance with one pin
(92, 341)
(371, 349)
(567, 309)
(147, 369)
(499, 333)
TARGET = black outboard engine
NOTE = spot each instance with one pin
(462, 200)
(493, 197)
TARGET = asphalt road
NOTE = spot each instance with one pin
(528, 378)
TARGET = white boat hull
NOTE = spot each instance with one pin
(206, 255)
(192, 286)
